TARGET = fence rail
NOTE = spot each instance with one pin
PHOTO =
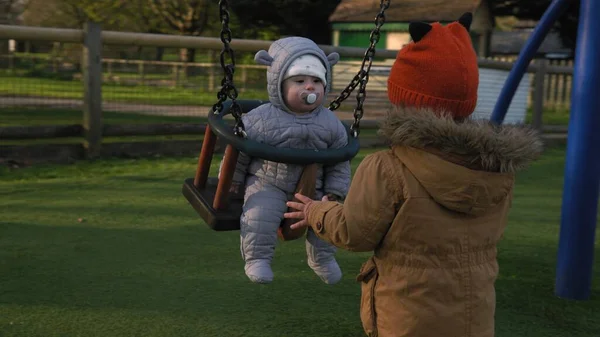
(158, 40)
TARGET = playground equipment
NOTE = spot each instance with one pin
(210, 196)
(582, 171)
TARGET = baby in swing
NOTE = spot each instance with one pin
(298, 79)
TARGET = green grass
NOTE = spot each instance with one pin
(52, 88)
(551, 116)
(169, 55)
(111, 248)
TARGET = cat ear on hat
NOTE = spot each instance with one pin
(418, 30)
(465, 20)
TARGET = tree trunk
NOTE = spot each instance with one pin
(191, 55)
(188, 55)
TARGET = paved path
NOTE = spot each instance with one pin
(149, 109)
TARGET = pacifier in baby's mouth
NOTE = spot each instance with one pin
(309, 98)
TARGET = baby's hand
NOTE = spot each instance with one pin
(331, 197)
(235, 188)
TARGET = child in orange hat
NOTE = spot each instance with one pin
(433, 207)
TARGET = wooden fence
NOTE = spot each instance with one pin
(557, 85)
(93, 130)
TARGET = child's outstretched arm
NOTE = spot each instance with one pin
(337, 176)
(373, 200)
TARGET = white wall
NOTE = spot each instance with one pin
(490, 84)
(396, 40)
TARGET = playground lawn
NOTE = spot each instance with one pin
(111, 248)
(550, 116)
(143, 94)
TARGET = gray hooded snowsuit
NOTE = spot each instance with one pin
(269, 185)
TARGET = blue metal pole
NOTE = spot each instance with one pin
(582, 170)
(556, 8)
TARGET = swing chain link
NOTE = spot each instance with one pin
(362, 77)
(228, 89)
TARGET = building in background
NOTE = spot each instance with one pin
(353, 20)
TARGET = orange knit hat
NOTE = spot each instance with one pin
(438, 70)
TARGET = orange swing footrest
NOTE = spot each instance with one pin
(201, 200)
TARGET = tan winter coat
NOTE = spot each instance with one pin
(432, 209)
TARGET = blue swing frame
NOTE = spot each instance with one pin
(574, 268)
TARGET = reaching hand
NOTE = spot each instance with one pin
(303, 208)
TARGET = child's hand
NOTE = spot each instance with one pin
(325, 198)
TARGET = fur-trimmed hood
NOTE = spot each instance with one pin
(465, 166)
(476, 143)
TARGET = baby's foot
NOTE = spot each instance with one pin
(259, 271)
(329, 271)
(321, 259)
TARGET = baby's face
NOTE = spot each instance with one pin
(299, 92)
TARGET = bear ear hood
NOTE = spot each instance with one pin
(280, 56)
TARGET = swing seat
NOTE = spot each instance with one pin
(202, 200)
(210, 196)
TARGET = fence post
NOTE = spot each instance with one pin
(92, 87)
(11, 62)
(244, 78)
(176, 74)
(211, 70)
(538, 94)
(141, 71)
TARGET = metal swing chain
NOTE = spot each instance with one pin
(362, 77)
(228, 89)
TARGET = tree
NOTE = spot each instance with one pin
(186, 17)
(308, 18)
(566, 25)
(74, 13)
(141, 18)
(10, 11)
